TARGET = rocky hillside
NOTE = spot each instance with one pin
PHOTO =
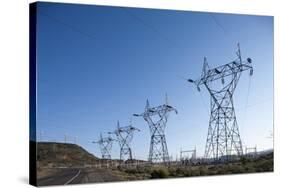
(51, 154)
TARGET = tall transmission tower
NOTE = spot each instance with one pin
(157, 117)
(223, 137)
(124, 136)
(105, 144)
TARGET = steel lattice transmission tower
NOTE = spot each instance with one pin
(223, 134)
(157, 117)
(124, 136)
(105, 144)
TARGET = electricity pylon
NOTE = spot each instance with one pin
(124, 136)
(223, 134)
(105, 144)
(157, 117)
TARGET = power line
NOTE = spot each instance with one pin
(204, 103)
(257, 103)
(247, 100)
(71, 27)
(201, 96)
(152, 28)
(222, 28)
(218, 24)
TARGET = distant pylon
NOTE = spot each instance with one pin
(105, 144)
(223, 134)
(124, 136)
(157, 117)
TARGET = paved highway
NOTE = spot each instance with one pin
(77, 176)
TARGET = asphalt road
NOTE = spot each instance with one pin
(77, 176)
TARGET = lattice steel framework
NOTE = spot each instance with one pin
(105, 144)
(157, 117)
(251, 151)
(223, 137)
(188, 154)
(124, 136)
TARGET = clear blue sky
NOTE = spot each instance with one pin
(99, 64)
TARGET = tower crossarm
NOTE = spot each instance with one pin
(157, 110)
(127, 129)
(230, 69)
(223, 71)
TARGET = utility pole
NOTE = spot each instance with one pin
(41, 136)
(223, 134)
(65, 138)
(124, 136)
(105, 144)
(75, 139)
(157, 117)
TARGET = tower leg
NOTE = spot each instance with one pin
(223, 139)
(158, 151)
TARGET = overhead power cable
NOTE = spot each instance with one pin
(69, 26)
(150, 27)
(218, 23)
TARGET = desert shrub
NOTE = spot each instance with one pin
(249, 168)
(172, 171)
(195, 172)
(187, 173)
(144, 169)
(221, 170)
(213, 168)
(148, 169)
(264, 165)
(209, 173)
(119, 168)
(160, 173)
(203, 171)
(131, 171)
(236, 169)
(180, 171)
(245, 160)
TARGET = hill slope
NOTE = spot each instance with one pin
(51, 154)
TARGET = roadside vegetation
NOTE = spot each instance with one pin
(245, 165)
(54, 157)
